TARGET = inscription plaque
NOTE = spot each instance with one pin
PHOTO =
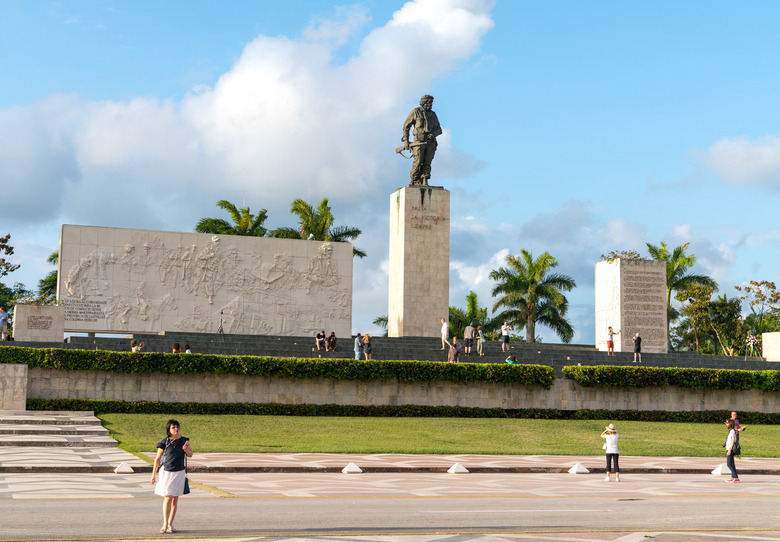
(631, 297)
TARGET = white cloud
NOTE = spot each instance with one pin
(741, 161)
(285, 121)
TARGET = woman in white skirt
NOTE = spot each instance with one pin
(170, 480)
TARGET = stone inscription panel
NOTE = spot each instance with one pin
(116, 280)
(39, 323)
(643, 292)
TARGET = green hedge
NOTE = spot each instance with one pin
(338, 369)
(683, 377)
(273, 409)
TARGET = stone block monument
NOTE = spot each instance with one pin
(631, 297)
(115, 280)
(770, 346)
(45, 323)
(419, 283)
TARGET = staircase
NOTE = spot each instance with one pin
(63, 429)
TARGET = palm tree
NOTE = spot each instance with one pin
(317, 225)
(47, 286)
(677, 278)
(244, 222)
(531, 295)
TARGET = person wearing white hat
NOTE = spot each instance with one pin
(611, 436)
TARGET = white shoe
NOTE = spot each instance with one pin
(606, 479)
(617, 479)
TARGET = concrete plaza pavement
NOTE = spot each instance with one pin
(70, 494)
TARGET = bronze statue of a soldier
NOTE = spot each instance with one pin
(423, 147)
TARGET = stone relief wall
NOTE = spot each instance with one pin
(120, 280)
(631, 297)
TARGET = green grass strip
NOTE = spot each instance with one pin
(332, 434)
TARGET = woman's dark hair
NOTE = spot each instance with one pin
(168, 426)
(730, 423)
(133, 343)
(176, 347)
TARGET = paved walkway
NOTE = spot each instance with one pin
(105, 460)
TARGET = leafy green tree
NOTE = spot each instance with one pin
(244, 222)
(47, 286)
(8, 298)
(764, 302)
(5, 265)
(726, 321)
(613, 255)
(473, 313)
(696, 313)
(677, 277)
(317, 225)
(529, 294)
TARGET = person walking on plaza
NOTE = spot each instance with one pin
(358, 345)
(611, 447)
(468, 338)
(505, 329)
(480, 341)
(738, 428)
(170, 481)
(637, 347)
(3, 324)
(611, 341)
(445, 333)
(731, 450)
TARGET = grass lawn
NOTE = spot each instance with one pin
(232, 433)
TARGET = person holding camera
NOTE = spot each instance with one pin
(611, 447)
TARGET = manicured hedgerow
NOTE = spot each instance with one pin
(682, 377)
(338, 369)
(405, 411)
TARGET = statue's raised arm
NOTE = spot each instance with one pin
(423, 146)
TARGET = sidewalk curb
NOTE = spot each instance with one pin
(370, 470)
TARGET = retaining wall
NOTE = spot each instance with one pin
(226, 388)
(13, 386)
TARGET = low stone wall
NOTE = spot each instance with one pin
(225, 388)
(13, 386)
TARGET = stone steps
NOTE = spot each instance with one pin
(65, 429)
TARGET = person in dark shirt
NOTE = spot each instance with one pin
(637, 347)
(169, 482)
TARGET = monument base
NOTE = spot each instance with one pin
(419, 274)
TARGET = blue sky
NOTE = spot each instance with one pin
(570, 127)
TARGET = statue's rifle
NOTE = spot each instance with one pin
(402, 148)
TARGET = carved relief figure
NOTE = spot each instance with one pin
(426, 130)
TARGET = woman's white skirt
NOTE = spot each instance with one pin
(170, 483)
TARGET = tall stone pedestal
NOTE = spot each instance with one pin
(419, 285)
(631, 297)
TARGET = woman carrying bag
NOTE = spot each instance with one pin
(171, 481)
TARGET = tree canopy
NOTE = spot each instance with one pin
(317, 225)
(529, 293)
(244, 222)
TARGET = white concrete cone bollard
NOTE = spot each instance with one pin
(124, 468)
(457, 468)
(351, 468)
(722, 469)
(578, 468)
